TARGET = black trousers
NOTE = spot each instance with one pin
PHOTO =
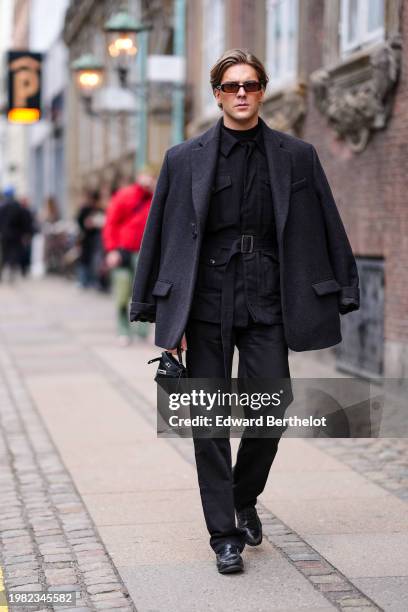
(263, 353)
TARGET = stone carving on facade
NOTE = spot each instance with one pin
(359, 100)
(287, 112)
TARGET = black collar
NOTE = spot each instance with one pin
(229, 140)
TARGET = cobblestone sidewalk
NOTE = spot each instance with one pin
(381, 460)
(47, 539)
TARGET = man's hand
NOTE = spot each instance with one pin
(113, 259)
(173, 351)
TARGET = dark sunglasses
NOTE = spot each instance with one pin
(233, 86)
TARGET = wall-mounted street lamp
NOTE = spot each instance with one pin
(121, 36)
(126, 38)
(127, 41)
(89, 73)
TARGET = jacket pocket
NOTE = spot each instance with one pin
(329, 285)
(161, 288)
(221, 210)
(269, 269)
(299, 184)
(221, 182)
(214, 256)
(211, 269)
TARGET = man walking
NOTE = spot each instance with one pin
(243, 247)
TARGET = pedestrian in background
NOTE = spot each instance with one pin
(50, 211)
(12, 231)
(30, 228)
(90, 219)
(122, 235)
(46, 243)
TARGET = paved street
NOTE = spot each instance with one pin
(94, 502)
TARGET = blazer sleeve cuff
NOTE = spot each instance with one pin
(142, 311)
(349, 299)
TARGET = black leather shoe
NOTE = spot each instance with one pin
(229, 559)
(248, 520)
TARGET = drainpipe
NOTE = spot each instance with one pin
(177, 120)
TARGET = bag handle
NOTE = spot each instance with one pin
(180, 354)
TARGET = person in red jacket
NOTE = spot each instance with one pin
(122, 236)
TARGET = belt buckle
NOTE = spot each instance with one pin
(251, 244)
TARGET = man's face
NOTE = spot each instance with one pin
(240, 107)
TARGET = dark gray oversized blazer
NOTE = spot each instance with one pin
(318, 273)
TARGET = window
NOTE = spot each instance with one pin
(362, 22)
(213, 46)
(281, 41)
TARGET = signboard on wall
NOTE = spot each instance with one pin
(24, 86)
(166, 68)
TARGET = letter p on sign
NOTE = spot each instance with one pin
(24, 86)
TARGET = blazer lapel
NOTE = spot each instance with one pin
(280, 171)
(203, 166)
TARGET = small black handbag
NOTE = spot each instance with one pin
(169, 367)
(171, 377)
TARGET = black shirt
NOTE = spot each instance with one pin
(241, 203)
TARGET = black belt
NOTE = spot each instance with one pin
(246, 243)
